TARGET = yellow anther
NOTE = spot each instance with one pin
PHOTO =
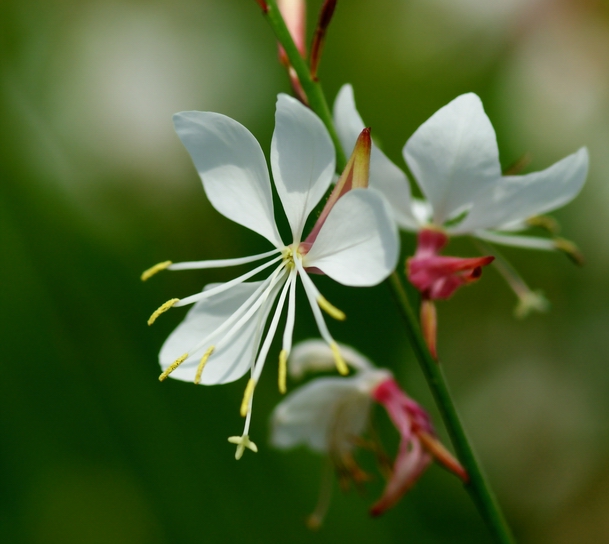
(544, 222)
(283, 370)
(247, 395)
(570, 249)
(173, 366)
(341, 366)
(202, 363)
(332, 311)
(162, 309)
(154, 269)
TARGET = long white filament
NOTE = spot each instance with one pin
(253, 298)
(529, 242)
(224, 286)
(312, 294)
(264, 350)
(264, 298)
(221, 263)
(291, 315)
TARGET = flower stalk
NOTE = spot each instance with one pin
(477, 487)
(316, 98)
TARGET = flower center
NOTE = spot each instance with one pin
(293, 251)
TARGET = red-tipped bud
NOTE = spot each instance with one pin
(325, 16)
(355, 176)
(263, 5)
(294, 14)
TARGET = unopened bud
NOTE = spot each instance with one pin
(294, 15)
(325, 16)
(355, 176)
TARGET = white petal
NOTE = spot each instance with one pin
(232, 167)
(316, 356)
(302, 160)
(325, 413)
(454, 156)
(230, 361)
(385, 176)
(358, 244)
(516, 198)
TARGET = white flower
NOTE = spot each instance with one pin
(326, 413)
(357, 245)
(329, 415)
(455, 161)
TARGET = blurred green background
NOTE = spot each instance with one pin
(95, 187)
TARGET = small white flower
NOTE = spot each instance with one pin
(330, 414)
(354, 242)
(454, 158)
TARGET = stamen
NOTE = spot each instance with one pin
(528, 300)
(544, 222)
(331, 310)
(222, 263)
(291, 314)
(225, 286)
(315, 520)
(238, 319)
(147, 274)
(247, 395)
(283, 369)
(570, 249)
(173, 366)
(202, 364)
(162, 309)
(270, 334)
(312, 295)
(341, 366)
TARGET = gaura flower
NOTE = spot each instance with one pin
(330, 414)
(353, 241)
(454, 159)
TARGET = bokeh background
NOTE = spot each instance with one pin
(95, 187)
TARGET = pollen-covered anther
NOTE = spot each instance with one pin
(202, 364)
(173, 366)
(162, 309)
(341, 366)
(283, 369)
(570, 249)
(147, 274)
(331, 310)
(247, 396)
(544, 222)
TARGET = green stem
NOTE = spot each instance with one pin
(477, 486)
